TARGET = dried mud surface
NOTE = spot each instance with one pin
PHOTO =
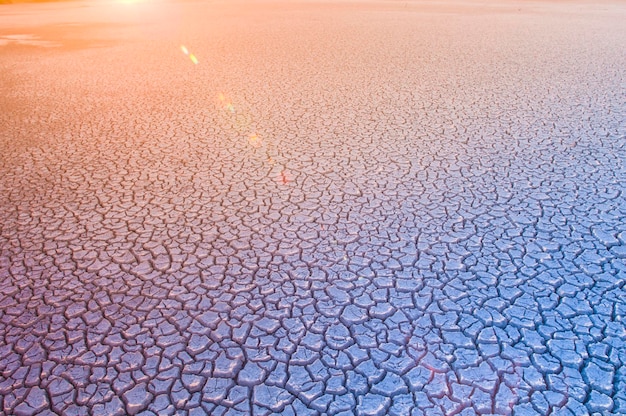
(384, 207)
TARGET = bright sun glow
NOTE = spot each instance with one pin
(130, 1)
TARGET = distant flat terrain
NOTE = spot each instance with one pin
(313, 207)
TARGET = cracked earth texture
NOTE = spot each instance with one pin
(403, 208)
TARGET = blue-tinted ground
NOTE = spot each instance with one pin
(375, 208)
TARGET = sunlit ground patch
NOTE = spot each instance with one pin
(27, 40)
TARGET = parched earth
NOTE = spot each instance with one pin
(313, 207)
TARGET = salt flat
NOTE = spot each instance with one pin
(313, 207)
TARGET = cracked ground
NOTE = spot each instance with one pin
(234, 208)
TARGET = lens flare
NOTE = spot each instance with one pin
(190, 55)
(225, 102)
(284, 177)
(255, 141)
